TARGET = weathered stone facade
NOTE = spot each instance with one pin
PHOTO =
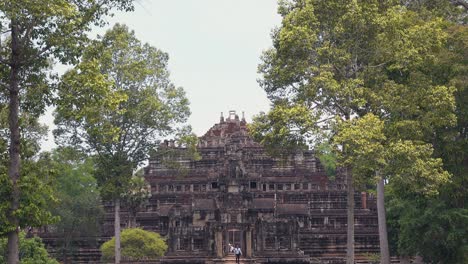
(277, 210)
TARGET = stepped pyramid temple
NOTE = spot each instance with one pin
(277, 210)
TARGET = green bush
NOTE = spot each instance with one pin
(32, 251)
(136, 244)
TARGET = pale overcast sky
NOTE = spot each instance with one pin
(214, 48)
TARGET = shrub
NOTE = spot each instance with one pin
(136, 244)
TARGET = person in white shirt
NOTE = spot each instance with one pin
(238, 253)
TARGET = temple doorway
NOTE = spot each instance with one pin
(233, 237)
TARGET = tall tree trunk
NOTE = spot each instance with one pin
(67, 246)
(14, 166)
(350, 227)
(132, 219)
(117, 230)
(384, 252)
(65, 256)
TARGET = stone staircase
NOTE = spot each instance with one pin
(231, 259)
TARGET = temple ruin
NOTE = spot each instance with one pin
(278, 210)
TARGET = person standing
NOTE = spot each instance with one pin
(238, 253)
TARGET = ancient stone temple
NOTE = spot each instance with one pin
(277, 210)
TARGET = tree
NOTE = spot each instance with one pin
(435, 227)
(137, 244)
(347, 59)
(440, 228)
(37, 181)
(116, 104)
(364, 139)
(135, 197)
(79, 204)
(33, 34)
(408, 165)
(32, 251)
(315, 64)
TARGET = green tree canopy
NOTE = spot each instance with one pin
(435, 227)
(118, 103)
(37, 184)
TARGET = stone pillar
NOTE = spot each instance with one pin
(219, 243)
(248, 243)
(226, 239)
(364, 200)
(262, 241)
(242, 245)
